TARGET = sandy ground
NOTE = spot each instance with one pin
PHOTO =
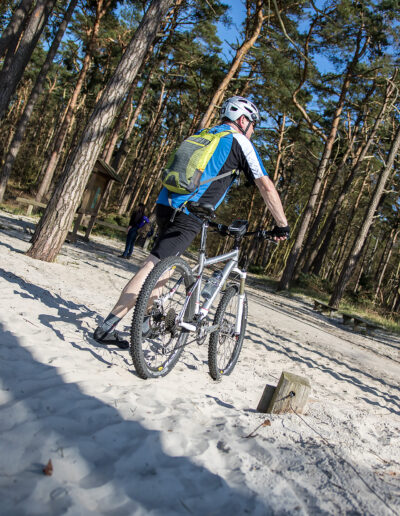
(120, 445)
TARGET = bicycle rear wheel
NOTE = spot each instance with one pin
(156, 339)
(225, 347)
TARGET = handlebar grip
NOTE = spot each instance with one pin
(266, 235)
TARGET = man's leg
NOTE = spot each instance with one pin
(105, 332)
(132, 241)
(127, 244)
(174, 238)
(128, 296)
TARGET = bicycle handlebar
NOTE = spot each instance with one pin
(259, 233)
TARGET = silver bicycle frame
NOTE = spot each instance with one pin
(232, 258)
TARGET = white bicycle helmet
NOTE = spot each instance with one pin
(235, 107)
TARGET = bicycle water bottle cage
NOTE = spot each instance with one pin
(238, 228)
(203, 211)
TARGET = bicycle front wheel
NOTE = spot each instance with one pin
(157, 340)
(225, 347)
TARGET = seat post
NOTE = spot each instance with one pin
(203, 239)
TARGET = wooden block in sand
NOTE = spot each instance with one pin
(291, 393)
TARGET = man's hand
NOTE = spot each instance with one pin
(280, 233)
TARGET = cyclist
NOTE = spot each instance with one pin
(234, 152)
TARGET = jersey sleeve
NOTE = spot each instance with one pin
(248, 157)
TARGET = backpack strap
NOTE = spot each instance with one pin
(217, 178)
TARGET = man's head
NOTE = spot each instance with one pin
(141, 206)
(242, 113)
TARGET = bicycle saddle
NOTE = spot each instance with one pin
(238, 228)
(205, 210)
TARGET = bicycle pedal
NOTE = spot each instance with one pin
(188, 326)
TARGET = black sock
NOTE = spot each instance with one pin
(109, 323)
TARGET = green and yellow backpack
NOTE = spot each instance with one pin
(183, 172)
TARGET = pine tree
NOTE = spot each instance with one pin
(54, 225)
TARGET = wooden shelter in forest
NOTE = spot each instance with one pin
(92, 197)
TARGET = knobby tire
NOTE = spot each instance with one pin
(224, 347)
(166, 340)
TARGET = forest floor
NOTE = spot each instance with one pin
(183, 444)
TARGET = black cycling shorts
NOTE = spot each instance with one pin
(174, 237)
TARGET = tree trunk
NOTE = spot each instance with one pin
(296, 249)
(35, 94)
(363, 254)
(361, 155)
(329, 273)
(323, 250)
(158, 167)
(354, 254)
(236, 63)
(53, 227)
(281, 132)
(50, 167)
(395, 302)
(138, 173)
(125, 113)
(385, 264)
(291, 263)
(10, 37)
(14, 65)
(122, 116)
(123, 150)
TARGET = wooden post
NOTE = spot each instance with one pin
(291, 393)
(89, 228)
(74, 235)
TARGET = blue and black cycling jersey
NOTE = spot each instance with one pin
(234, 152)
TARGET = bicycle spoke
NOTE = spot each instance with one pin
(157, 345)
(225, 345)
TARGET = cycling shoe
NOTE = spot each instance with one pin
(113, 337)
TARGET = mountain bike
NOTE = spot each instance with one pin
(171, 314)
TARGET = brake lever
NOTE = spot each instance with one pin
(266, 235)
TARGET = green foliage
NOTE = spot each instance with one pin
(187, 66)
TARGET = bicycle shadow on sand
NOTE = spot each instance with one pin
(78, 316)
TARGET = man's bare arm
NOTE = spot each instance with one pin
(272, 200)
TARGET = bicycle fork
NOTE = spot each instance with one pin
(242, 297)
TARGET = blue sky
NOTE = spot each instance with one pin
(237, 13)
(231, 35)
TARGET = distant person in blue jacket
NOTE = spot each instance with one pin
(138, 220)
